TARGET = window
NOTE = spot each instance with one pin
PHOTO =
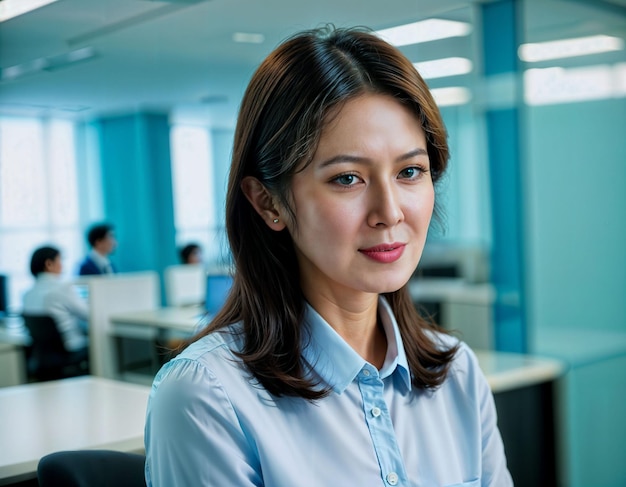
(38, 197)
(195, 215)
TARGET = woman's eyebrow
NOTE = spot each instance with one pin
(420, 151)
(339, 158)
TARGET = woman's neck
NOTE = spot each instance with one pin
(358, 325)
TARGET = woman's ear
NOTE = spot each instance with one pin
(262, 201)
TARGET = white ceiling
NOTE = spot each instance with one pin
(178, 56)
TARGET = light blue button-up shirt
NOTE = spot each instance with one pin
(210, 424)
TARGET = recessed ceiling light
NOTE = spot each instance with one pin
(50, 63)
(23, 69)
(564, 48)
(424, 31)
(248, 37)
(69, 58)
(13, 8)
(440, 68)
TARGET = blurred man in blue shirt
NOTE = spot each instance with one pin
(101, 238)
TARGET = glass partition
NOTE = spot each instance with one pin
(574, 133)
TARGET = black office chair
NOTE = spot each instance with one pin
(91, 468)
(49, 360)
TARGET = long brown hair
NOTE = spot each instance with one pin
(278, 128)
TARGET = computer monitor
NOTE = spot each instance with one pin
(4, 301)
(82, 290)
(217, 288)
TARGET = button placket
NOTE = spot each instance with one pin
(380, 427)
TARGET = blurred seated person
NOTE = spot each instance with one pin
(53, 297)
(191, 254)
(101, 238)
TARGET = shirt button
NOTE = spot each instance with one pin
(392, 478)
(376, 412)
(366, 373)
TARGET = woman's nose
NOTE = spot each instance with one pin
(385, 207)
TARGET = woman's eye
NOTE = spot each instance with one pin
(410, 172)
(346, 179)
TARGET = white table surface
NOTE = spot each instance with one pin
(184, 319)
(506, 371)
(71, 414)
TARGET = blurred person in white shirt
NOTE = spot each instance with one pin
(52, 296)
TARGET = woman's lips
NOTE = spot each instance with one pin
(385, 253)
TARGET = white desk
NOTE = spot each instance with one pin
(148, 324)
(71, 414)
(507, 371)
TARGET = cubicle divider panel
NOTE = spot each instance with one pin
(116, 294)
(185, 285)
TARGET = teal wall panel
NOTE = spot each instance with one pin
(137, 189)
(500, 40)
(576, 202)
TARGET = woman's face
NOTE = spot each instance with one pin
(363, 206)
(195, 257)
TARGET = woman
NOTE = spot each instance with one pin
(191, 254)
(318, 370)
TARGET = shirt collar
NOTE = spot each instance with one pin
(48, 276)
(337, 364)
(100, 260)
